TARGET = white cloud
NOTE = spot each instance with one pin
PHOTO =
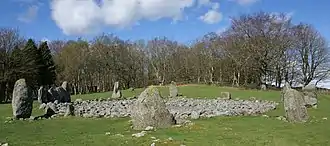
(203, 2)
(245, 2)
(213, 15)
(85, 16)
(29, 15)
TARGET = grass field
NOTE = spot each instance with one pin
(220, 131)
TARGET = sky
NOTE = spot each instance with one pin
(181, 20)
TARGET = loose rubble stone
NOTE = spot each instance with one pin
(142, 133)
(149, 128)
(294, 105)
(281, 118)
(22, 100)
(150, 110)
(173, 90)
(194, 115)
(120, 135)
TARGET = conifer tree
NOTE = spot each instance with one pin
(47, 69)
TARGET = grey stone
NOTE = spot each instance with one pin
(53, 93)
(150, 110)
(22, 100)
(194, 115)
(142, 133)
(310, 96)
(226, 95)
(42, 95)
(42, 106)
(149, 128)
(263, 87)
(294, 105)
(67, 95)
(116, 93)
(69, 110)
(173, 90)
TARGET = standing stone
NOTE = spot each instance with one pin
(42, 95)
(116, 93)
(225, 95)
(310, 96)
(69, 110)
(53, 93)
(173, 90)
(294, 107)
(61, 94)
(67, 95)
(263, 87)
(22, 100)
(150, 110)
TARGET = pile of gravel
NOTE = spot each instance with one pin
(179, 107)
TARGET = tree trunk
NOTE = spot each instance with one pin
(2, 92)
(238, 78)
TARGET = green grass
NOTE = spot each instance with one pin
(231, 131)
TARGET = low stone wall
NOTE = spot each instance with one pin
(179, 107)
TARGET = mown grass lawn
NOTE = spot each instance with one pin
(231, 131)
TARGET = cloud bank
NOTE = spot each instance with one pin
(78, 17)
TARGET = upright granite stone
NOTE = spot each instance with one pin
(22, 100)
(69, 110)
(226, 95)
(150, 110)
(294, 105)
(116, 93)
(53, 93)
(173, 90)
(67, 95)
(310, 96)
(42, 95)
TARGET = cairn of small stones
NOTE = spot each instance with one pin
(180, 107)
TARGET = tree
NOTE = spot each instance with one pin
(313, 53)
(47, 69)
(9, 39)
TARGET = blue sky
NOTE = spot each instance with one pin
(69, 19)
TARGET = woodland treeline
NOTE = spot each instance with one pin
(255, 49)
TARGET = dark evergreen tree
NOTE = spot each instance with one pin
(47, 69)
(30, 64)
